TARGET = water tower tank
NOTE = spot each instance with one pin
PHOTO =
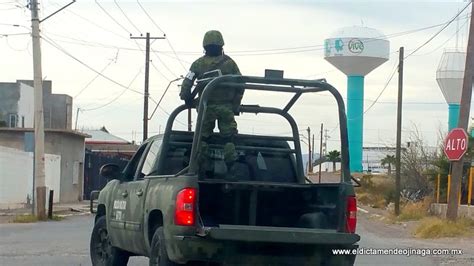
(450, 75)
(356, 51)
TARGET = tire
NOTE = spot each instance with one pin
(101, 251)
(158, 253)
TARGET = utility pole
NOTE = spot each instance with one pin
(321, 151)
(399, 130)
(310, 159)
(147, 75)
(39, 175)
(453, 201)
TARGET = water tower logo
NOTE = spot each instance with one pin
(327, 47)
(356, 46)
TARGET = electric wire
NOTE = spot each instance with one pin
(125, 15)
(116, 97)
(445, 42)
(93, 79)
(167, 39)
(58, 47)
(111, 17)
(438, 32)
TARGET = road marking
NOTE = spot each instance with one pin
(362, 210)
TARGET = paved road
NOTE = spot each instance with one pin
(49, 243)
(67, 242)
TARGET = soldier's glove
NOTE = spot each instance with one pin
(187, 98)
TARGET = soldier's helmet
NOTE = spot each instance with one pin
(213, 37)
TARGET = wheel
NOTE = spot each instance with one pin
(101, 250)
(158, 254)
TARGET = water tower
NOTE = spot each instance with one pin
(356, 51)
(450, 76)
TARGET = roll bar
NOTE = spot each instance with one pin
(296, 86)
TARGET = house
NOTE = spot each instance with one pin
(17, 106)
(101, 148)
(64, 148)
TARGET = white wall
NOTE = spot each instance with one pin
(16, 172)
(26, 105)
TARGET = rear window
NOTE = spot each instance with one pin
(251, 165)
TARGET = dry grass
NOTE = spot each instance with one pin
(411, 211)
(32, 218)
(433, 227)
(414, 211)
(25, 219)
(376, 191)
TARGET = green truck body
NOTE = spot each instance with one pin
(270, 214)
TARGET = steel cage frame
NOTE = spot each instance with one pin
(296, 86)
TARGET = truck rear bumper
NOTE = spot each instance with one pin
(252, 245)
(282, 235)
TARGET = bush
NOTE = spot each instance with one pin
(377, 191)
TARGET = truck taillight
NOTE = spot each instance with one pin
(184, 213)
(351, 214)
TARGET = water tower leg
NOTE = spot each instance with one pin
(355, 120)
(453, 116)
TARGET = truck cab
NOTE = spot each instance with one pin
(269, 213)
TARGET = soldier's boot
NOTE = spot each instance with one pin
(230, 157)
(203, 161)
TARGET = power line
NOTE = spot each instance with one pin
(93, 79)
(112, 18)
(118, 96)
(437, 33)
(444, 43)
(96, 25)
(125, 15)
(55, 45)
(167, 39)
(384, 88)
(167, 68)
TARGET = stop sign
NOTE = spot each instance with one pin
(456, 143)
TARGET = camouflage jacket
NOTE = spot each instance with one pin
(220, 95)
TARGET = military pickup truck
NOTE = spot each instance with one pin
(270, 213)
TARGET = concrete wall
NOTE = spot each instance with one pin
(26, 109)
(68, 145)
(58, 111)
(16, 177)
(72, 151)
(440, 209)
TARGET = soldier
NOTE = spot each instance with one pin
(222, 104)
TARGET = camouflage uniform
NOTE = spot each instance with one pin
(223, 101)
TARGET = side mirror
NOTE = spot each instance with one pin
(110, 171)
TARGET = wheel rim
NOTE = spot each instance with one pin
(103, 248)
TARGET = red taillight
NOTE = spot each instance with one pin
(185, 206)
(351, 214)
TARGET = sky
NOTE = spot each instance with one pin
(91, 37)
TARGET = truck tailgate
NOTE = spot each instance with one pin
(281, 235)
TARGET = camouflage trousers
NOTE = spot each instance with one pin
(223, 114)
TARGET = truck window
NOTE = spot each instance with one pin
(177, 158)
(150, 159)
(131, 167)
(249, 166)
